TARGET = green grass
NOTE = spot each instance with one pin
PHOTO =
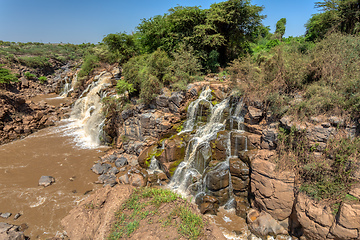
(145, 202)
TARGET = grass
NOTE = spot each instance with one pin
(145, 202)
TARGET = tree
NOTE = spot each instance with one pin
(336, 15)
(122, 45)
(280, 28)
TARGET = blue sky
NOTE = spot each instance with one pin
(78, 21)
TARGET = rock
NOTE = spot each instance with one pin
(174, 149)
(223, 195)
(162, 100)
(46, 181)
(17, 216)
(127, 114)
(218, 177)
(269, 137)
(5, 215)
(349, 215)
(264, 225)
(11, 232)
(255, 114)
(339, 232)
(219, 146)
(273, 190)
(238, 168)
(124, 179)
(107, 179)
(120, 162)
(316, 219)
(175, 101)
(320, 133)
(114, 171)
(110, 158)
(238, 184)
(209, 204)
(101, 168)
(137, 180)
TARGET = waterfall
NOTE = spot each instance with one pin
(190, 168)
(193, 109)
(87, 118)
(191, 175)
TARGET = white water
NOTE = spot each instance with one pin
(87, 119)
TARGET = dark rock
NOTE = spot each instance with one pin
(17, 216)
(218, 178)
(114, 171)
(46, 181)
(107, 179)
(127, 113)
(120, 162)
(101, 168)
(5, 215)
(111, 158)
(162, 100)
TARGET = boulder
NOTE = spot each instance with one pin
(262, 224)
(273, 190)
(349, 216)
(5, 215)
(101, 168)
(137, 180)
(269, 137)
(219, 146)
(255, 114)
(107, 179)
(46, 181)
(218, 177)
(120, 162)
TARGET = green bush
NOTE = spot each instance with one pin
(30, 76)
(35, 62)
(90, 62)
(5, 75)
(42, 79)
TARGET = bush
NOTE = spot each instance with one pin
(30, 76)
(90, 62)
(34, 62)
(5, 76)
(42, 79)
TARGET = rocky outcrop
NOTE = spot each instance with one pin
(273, 191)
(11, 232)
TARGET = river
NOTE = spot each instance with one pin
(59, 151)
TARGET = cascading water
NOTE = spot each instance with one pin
(69, 86)
(87, 118)
(203, 173)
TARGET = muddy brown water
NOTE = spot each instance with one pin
(53, 152)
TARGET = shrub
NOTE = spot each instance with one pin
(90, 62)
(6, 76)
(42, 79)
(30, 76)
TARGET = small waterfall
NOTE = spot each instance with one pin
(69, 86)
(193, 109)
(190, 168)
(87, 116)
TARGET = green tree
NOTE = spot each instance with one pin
(336, 15)
(280, 28)
(121, 44)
